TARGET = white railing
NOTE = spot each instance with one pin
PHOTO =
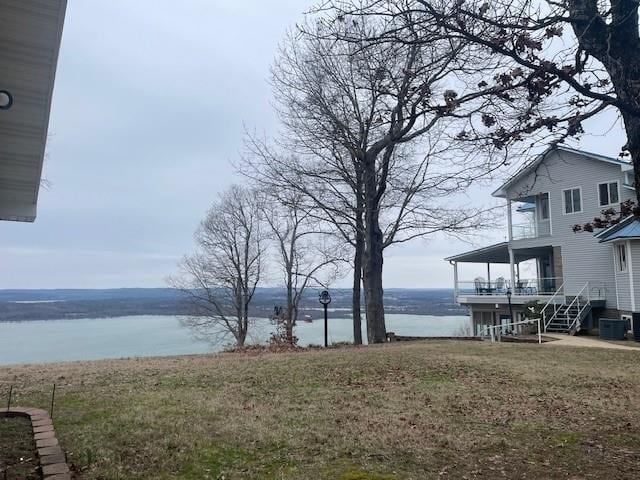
(576, 302)
(553, 301)
(495, 331)
(522, 287)
(559, 307)
(523, 231)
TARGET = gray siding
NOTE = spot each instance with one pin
(622, 282)
(583, 258)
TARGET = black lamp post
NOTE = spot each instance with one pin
(6, 100)
(510, 307)
(325, 300)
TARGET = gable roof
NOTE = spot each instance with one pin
(625, 230)
(501, 191)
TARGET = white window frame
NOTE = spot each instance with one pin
(617, 182)
(619, 266)
(564, 201)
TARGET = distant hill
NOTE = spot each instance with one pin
(79, 303)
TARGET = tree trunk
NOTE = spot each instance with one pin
(242, 331)
(290, 309)
(357, 282)
(373, 259)
(625, 77)
(617, 47)
(632, 126)
(372, 276)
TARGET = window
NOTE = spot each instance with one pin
(572, 200)
(543, 203)
(621, 257)
(608, 193)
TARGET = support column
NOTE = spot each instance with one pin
(455, 280)
(512, 270)
(489, 275)
(509, 220)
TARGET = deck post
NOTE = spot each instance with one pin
(455, 280)
(512, 269)
(509, 221)
(488, 275)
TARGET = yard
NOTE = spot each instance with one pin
(413, 411)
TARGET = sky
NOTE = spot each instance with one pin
(150, 104)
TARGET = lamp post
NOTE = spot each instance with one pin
(325, 300)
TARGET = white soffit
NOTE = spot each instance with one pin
(30, 33)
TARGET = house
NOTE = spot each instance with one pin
(579, 276)
(30, 35)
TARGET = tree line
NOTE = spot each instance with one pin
(390, 111)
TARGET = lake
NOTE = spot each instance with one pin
(149, 335)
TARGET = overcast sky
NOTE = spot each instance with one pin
(150, 101)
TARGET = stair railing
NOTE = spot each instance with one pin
(576, 301)
(556, 308)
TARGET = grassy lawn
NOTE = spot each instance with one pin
(414, 411)
(17, 450)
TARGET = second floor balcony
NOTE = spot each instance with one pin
(530, 217)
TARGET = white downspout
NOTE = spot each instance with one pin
(630, 272)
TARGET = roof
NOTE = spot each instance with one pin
(628, 229)
(498, 253)
(501, 191)
(30, 34)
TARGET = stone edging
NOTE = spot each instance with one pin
(52, 460)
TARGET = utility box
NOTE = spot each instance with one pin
(636, 327)
(613, 329)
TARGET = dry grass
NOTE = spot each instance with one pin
(414, 411)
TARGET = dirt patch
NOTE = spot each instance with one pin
(18, 458)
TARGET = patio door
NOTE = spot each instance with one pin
(504, 321)
(546, 283)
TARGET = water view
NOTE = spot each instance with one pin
(155, 335)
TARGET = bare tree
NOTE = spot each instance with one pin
(220, 279)
(331, 195)
(578, 57)
(355, 108)
(304, 251)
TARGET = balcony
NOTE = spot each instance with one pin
(531, 217)
(524, 287)
(523, 231)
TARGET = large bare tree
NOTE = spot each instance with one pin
(353, 111)
(220, 279)
(579, 57)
